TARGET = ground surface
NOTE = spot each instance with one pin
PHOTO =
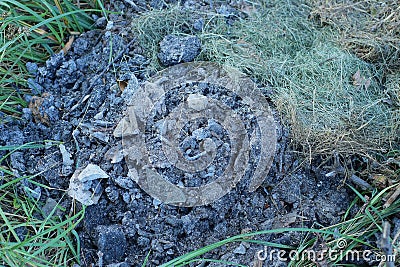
(81, 109)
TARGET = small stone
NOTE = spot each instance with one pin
(126, 197)
(110, 25)
(32, 68)
(17, 161)
(124, 182)
(156, 203)
(240, 250)
(143, 241)
(99, 95)
(215, 127)
(99, 116)
(26, 114)
(111, 242)
(102, 137)
(112, 193)
(101, 23)
(80, 46)
(197, 102)
(119, 264)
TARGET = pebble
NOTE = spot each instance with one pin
(111, 242)
(240, 250)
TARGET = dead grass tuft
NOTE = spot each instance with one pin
(369, 28)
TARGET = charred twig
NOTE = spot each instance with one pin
(360, 182)
(386, 245)
(392, 198)
(134, 6)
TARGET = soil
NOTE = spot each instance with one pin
(75, 105)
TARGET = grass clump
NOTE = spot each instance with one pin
(31, 31)
(333, 101)
(368, 28)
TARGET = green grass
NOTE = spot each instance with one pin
(357, 233)
(31, 31)
(46, 239)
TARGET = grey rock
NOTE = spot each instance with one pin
(188, 143)
(215, 127)
(111, 241)
(119, 264)
(176, 49)
(52, 64)
(36, 88)
(109, 26)
(26, 114)
(100, 136)
(201, 134)
(112, 193)
(80, 46)
(188, 224)
(126, 197)
(115, 154)
(17, 161)
(32, 67)
(124, 182)
(21, 232)
(157, 4)
(67, 161)
(226, 10)
(156, 203)
(130, 89)
(84, 184)
(156, 245)
(101, 23)
(98, 96)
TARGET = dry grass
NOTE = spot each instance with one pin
(369, 28)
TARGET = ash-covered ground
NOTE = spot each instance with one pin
(76, 103)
